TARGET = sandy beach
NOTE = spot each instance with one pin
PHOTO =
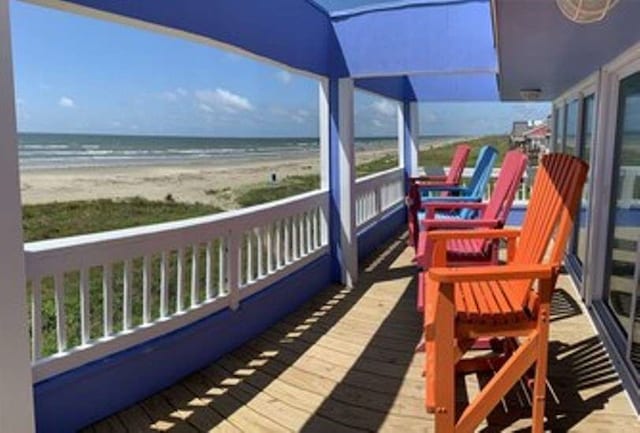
(210, 182)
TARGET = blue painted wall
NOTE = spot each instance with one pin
(418, 39)
(75, 399)
(293, 32)
(372, 237)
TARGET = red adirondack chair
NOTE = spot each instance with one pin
(452, 178)
(514, 301)
(493, 214)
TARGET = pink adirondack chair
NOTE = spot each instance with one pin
(451, 179)
(493, 214)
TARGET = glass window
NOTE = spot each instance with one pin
(558, 128)
(622, 251)
(570, 142)
(588, 121)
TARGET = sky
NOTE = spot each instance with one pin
(76, 74)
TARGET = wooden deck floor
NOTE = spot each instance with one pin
(344, 362)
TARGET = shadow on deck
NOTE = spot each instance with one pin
(344, 362)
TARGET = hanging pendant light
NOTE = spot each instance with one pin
(585, 11)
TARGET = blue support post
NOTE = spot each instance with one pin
(408, 131)
(337, 97)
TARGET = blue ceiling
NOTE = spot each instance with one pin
(341, 5)
(404, 49)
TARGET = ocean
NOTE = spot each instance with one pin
(42, 150)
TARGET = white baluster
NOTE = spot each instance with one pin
(294, 239)
(259, 252)
(287, 241)
(36, 319)
(61, 322)
(249, 277)
(127, 296)
(223, 288)
(195, 283)
(180, 281)
(270, 249)
(278, 244)
(209, 272)
(107, 303)
(164, 285)
(146, 289)
(85, 312)
(233, 267)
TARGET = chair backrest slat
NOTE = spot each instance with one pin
(458, 162)
(552, 209)
(505, 188)
(481, 175)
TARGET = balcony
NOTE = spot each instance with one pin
(344, 361)
(299, 314)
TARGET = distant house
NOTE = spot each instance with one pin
(531, 137)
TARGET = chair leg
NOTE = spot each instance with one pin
(540, 380)
(444, 364)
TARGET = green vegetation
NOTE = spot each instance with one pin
(441, 156)
(59, 219)
(377, 165)
(290, 185)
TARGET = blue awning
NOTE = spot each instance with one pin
(437, 50)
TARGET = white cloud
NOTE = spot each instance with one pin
(173, 95)
(299, 115)
(205, 107)
(284, 76)
(224, 100)
(384, 107)
(169, 96)
(66, 102)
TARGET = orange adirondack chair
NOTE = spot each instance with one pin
(451, 179)
(465, 304)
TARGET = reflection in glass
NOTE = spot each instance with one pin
(572, 127)
(623, 240)
(558, 128)
(585, 153)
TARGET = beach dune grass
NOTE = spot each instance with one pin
(60, 219)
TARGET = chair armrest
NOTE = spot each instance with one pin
(456, 224)
(444, 187)
(452, 205)
(440, 237)
(429, 178)
(445, 235)
(493, 273)
(450, 199)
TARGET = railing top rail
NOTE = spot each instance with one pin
(383, 174)
(236, 217)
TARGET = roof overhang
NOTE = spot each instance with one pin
(538, 48)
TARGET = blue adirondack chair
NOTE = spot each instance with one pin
(472, 192)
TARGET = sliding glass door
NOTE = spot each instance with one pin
(584, 152)
(623, 251)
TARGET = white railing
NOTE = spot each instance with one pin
(377, 193)
(524, 190)
(97, 294)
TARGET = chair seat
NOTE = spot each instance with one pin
(439, 216)
(489, 303)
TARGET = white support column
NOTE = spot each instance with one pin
(414, 137)
(346, 173)
(338, 175)
(408, 137)
(16, 383)
(324, 133)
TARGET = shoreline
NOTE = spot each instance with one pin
(213, 181)
(210, 182)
